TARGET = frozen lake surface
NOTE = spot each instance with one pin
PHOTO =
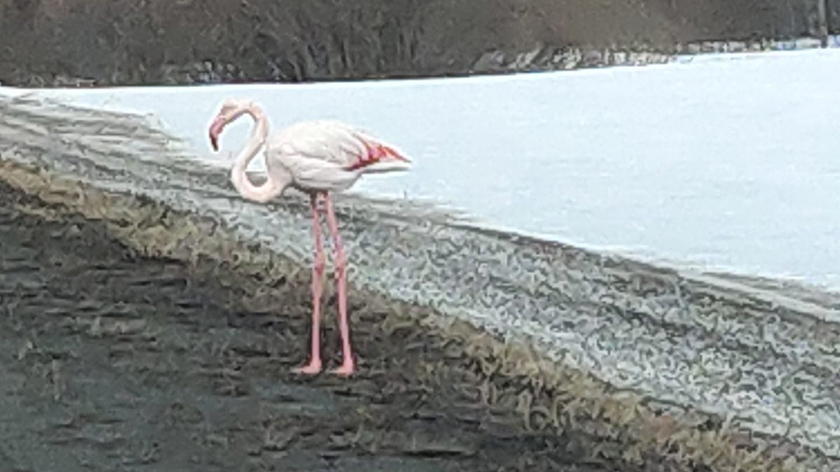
(726, 162)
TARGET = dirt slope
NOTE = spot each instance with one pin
(111, 361)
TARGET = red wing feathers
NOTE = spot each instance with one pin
(374, 152)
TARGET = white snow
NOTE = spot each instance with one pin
(726, 161)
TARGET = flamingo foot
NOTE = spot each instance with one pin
(347, 369)
(314, 367)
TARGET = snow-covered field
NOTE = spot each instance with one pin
(724, 162)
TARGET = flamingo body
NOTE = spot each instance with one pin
(327, 156)
(318, 158)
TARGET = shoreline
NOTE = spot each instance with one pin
(539, 59)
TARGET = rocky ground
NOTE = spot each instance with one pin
(110, 361)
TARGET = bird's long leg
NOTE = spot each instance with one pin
(314, 365)
(340, 262)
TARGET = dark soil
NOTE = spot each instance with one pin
(121, 42)
(110, 361)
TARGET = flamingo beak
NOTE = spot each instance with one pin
(215, 130)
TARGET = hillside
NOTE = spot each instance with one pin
(46, 42)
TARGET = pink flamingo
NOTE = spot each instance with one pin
(316, 157)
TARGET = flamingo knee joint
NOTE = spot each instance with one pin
(340, 264)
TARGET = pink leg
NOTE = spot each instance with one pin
(340, 262)
(314, 365)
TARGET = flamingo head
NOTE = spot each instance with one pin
(231, 110)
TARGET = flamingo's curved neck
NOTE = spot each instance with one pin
(238, 175)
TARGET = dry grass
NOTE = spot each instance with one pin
(615, 425)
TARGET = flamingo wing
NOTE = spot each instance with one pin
(336, 143)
